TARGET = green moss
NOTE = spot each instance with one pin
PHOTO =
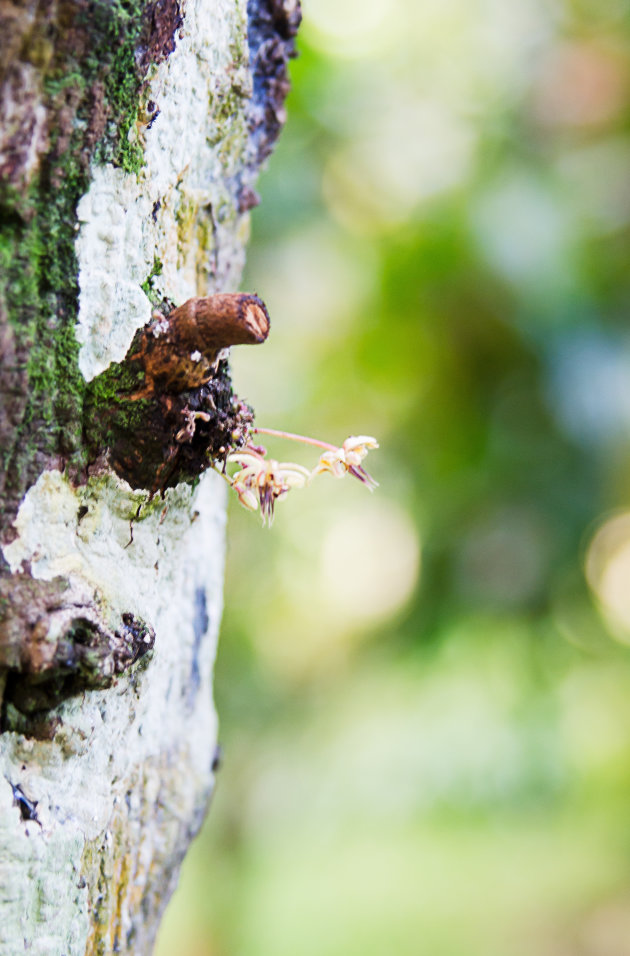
(59, 82)
(38, 265)
(39, 292)
(108, 407)
(122, 25)
(147, 285)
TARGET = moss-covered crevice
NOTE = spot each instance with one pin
(79, 69)
(167, 411)
(157, 441)
(148, 286)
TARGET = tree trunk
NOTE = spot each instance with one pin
(131, 133)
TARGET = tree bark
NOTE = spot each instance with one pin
(131, 133)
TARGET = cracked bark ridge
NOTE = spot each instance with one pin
(168, 410)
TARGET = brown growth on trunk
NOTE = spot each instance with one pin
(167, 411)
(180, 351)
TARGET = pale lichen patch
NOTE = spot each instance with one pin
(115, 251)
(192, 150)
(118, 739)
(116, 545)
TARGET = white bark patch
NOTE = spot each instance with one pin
(112, 304)
(144, 744)
(109, 548)
(123, 778)
(181, 209)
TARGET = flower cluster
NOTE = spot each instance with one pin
(259, 480)
(264, 480)
(348, 459)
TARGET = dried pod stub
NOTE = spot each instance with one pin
(168, 409)
(179, 351)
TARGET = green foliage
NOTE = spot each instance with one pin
(434, 758)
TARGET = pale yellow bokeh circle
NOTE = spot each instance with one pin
(608, 570)
(369, 562)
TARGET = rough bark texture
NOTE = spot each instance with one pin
(131, 133)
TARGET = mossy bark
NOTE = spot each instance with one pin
(131, 133)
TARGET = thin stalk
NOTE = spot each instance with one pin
(293, 437)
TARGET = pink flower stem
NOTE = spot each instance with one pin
(293, 437)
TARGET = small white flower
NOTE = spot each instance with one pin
(267, 478)
(348, 458)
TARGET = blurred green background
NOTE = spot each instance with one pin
(424, 693)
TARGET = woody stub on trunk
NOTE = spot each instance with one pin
(131, 135)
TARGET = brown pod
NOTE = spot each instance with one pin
(179, 351)
(167, 410)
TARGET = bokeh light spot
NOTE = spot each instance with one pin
(370, 561)
(522, 228)
(608, 571)
(352, 28)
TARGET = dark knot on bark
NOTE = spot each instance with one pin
(55, 643)
(167, 411)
